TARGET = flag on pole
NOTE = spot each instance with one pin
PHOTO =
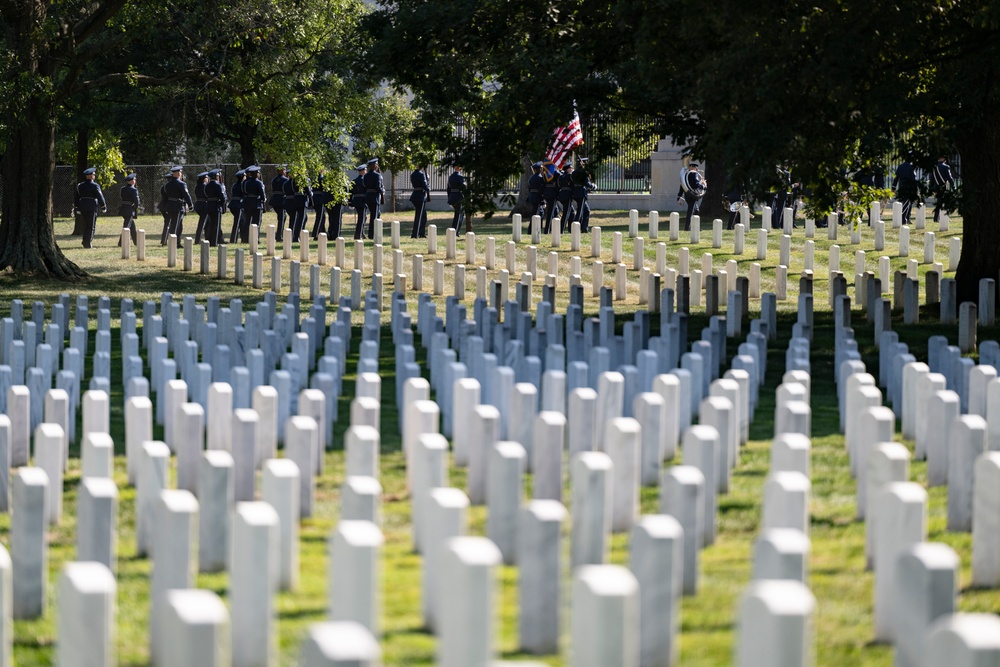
(564, 140)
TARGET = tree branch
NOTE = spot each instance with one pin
(145, 81)
(96, 19)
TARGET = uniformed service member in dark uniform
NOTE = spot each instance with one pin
(550, 195)
(296, 199)
(536, 187)
(565, 196)
(254, 199)
(200, 205)
(215, 201)
(161, 206)
(374, 195)
(236, 205)
(277, 198)
(419, 197)
(692, 190)
(582, 187)
(456, 198)
(732, 201)
(941, 180)
(781, 197)
(329, 208)
(335, 211)
(907, 187)
(88, 199)
(358, 200)
(288, 188)
(178, 202)
(320, 198)
(129, 208)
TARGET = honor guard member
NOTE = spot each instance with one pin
(129, 208)
(781, 197)
(692, 190)
(335, 211)
(332, 207)
(536, 186)
(215, 200)
(236, 206)
(161, 206)
(200, 205)
(374, 195)
(289, 189)
(550, 195)
(254, 198)
(277, 198)
(178, 202)
(419, 197)
(942, 180)
(87, 200)
(358, 200)
(865, 175)
(297, 212)
(320, 198)
(732, 201)
(582, 187)
(565, 195)
(907, 187)
(456, 198)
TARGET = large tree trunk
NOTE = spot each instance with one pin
(980, 214)
(26, 237)
(248, 154)
(82, 157)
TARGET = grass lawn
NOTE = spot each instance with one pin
(837, 576)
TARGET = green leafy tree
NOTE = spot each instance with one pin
(828, 87)
(270, 77)
(492, 79)
(52, 52)
(823, 86)
(283, 87)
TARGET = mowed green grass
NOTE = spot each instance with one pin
(837, 576)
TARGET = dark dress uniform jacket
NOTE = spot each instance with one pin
(277, 191)
(536, 186)
(200, 204)
(456, 188)
(89, 197)
(358, 192)
(374, 189)
(215, 194)
(237, 195)
(177, 195)
(130, 201)
(253, 194)
(565, 187)
(581, 184)
(905, 182)
(942, 175)
(421, 186)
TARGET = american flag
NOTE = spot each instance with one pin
(565, 139)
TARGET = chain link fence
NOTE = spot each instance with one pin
(627, 172)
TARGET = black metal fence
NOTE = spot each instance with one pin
(620, 147)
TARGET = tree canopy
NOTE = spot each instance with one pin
(825, 87)
(272, 78)
(492, 78)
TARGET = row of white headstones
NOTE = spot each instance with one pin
(624, 443)
(532, 272)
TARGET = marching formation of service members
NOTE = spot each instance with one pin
(552, 192)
